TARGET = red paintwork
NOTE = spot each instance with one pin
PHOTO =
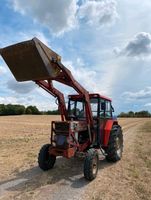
(75, 96)
(100, 96)
(82, 147)
(107, 130)
(73, 146)
(68, 153)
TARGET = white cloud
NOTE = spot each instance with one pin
(98, 12)
(85, 76)
(141, 94)
(147, 105)
(3, 70)
(58, 16)
(139, 46)
(14, 37)
(8, 100)
(99, 79)
(30, 34)
(21, 88)
(30, 100)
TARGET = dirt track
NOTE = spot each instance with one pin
(20, 178)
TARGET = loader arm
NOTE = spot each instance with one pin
(67, 78)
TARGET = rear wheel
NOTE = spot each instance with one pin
(46, 161)
(91, 164)
(115, 146)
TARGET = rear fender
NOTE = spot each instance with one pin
(107, 130)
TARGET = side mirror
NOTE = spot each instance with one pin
(103, 106)
(112, 108)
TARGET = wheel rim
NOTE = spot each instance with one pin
(94, 166)
(118, 147)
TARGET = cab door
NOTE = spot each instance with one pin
(105, 113)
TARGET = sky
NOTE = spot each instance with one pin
(105, 43)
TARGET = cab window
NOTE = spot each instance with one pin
(108, 112)
(102, 108)
(72, 108)
(94, 106)
(76, 109)
(80, 109)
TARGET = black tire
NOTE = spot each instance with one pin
(115, 146)
(45, 160)
(91, 164)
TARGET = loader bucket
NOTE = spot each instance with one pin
(31, 60)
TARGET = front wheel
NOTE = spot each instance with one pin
(91, 164)
(115, 146)
(46, 161)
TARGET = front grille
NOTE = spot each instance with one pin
(61, 133)
(61, 127)
(61, 141)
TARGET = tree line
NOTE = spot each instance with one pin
(11, 109)
(142, 113)
(17, 109)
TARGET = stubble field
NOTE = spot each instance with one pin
(21, 137)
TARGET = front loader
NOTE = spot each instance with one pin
(87, 124)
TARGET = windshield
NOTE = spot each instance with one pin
(77, 108)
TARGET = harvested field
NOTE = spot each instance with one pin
(21, 137)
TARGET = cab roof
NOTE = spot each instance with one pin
(79, 96)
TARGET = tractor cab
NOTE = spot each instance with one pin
(101, 107)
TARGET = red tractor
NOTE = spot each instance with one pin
(87, 125)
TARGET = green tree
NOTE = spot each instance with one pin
(53, 112)
(32, 110)
(142, 113)
(131, 114)
(11, 109)
(123, 114)
(28, 111)
(2, 109)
